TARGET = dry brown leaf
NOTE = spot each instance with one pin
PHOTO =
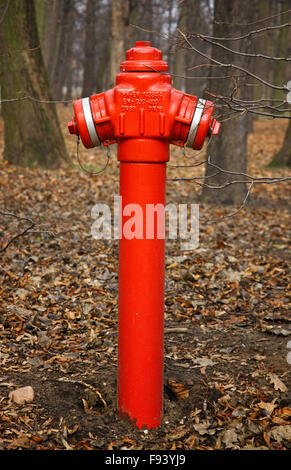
(266, 438)
(178, 389)
(126, 440)
(269, 407)
(22, 395)
(284, 413)
(230, 439)
(22, 442)
(73, 430)
(278, 384)
(65, 443)
(110, 445)
(203, 428)
(281, 433)
(177, 434)
(278, 420)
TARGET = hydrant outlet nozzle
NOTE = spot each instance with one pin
(72, 127)
(215, 126)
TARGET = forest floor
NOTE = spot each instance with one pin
(227, 378)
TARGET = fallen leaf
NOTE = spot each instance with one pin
(203, 428)
(22, 395)
(275, 330)
(65, 443)
(229, 438)
(253, 427)
(178, 389)
(280, 433)
(257, 357)
(177, 434)
(269, 407)
(232, 275)
(22, 442)
(278, 384)
(203, 362)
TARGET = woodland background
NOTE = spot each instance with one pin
(227, 316)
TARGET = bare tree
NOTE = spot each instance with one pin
(119, 25)
(283, 157)
(134, 13)
(90, 48)
(179, 81)
(230, 77)
(51, 17)
(230, 147)
(281, 45)
(32, 132)
(63, 51)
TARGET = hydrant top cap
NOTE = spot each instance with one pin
(143, 58)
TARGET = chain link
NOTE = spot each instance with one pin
(108, 154)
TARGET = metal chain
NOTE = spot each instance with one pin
(108, 154)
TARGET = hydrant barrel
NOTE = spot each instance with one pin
(141, 297)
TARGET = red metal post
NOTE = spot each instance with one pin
(141, 301)
(143, 113)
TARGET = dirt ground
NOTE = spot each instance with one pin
(227, 323)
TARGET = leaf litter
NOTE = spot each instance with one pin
(227, 321)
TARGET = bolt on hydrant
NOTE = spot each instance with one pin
(143, 114)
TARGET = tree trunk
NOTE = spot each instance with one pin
(282, 51)
(147, 22)
(102, 68)
(170, 24)
(40, 15)
(283, 157)
(263, 44)
(50, 40)
(133, 19)
(32, 132)
(196, 24)
(89, 78)
(179, 69)
(120, 15)
(63, 53)
(67, 76)
(228, 150)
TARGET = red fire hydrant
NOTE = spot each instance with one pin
(144, 114)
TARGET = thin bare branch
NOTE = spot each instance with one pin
(232, 214)
(10, 214)
(254, 22)
(31, 98)
(246, 179)
(4, 12)
(251, 33)
(237, 67)
(239, 107)
(244, 54)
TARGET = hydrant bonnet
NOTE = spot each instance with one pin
(143, 58)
